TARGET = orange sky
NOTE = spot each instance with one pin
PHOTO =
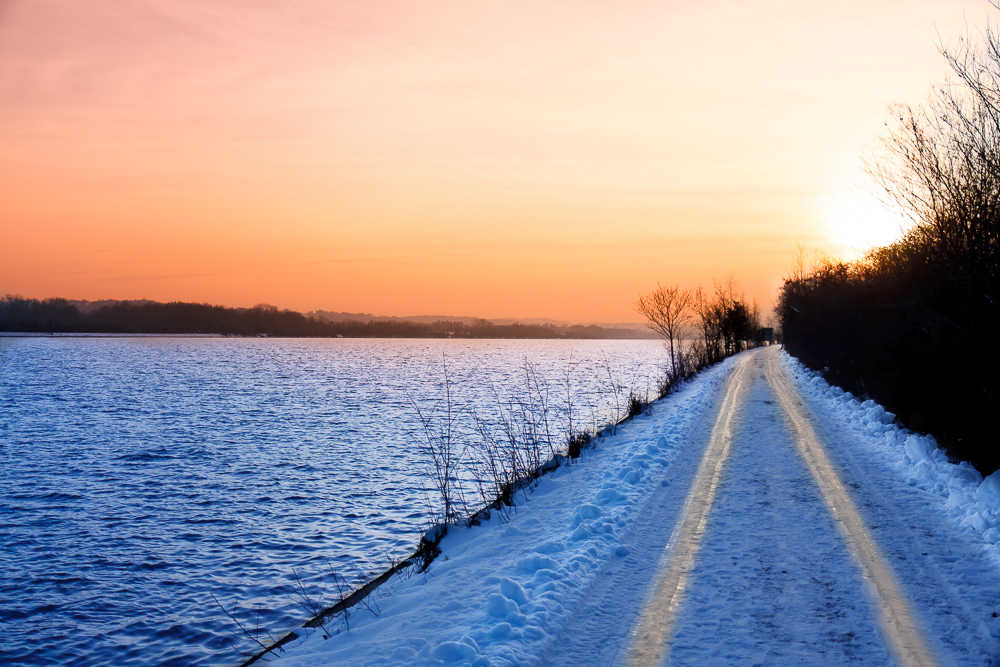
(525, 158)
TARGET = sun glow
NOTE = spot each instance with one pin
(857, 221)
(528, 158)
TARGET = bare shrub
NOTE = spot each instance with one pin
(441, 446)
(254, 636)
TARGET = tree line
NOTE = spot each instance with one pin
(701, 328)
(21, 315)
(914, 324)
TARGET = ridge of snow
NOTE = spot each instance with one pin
(973, 503)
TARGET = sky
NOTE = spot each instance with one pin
(523, 158)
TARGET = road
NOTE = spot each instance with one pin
(768, 562)
(756, 517)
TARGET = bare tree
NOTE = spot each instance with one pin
(710, 316)
(941, 164)
(668, 311)
(798, 269)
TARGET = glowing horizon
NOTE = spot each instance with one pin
(543, 159)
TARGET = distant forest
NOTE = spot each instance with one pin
(20, 315)
(915, 324)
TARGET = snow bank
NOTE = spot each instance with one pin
(971, 501)
(499, 590)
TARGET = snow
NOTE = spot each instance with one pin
(563, 580)
(971, 501)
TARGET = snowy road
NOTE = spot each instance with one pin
(899, 628)
(651, 641)
(758, 517)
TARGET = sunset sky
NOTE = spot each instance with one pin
(517, 158)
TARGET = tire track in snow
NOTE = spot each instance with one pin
(898, 624)
(650, 638)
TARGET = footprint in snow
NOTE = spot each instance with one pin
(583, 513)
(550, 547)
(631, 476)
(512, 590)
(535, 562)
(609, 497)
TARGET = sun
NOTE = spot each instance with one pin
(857, 221)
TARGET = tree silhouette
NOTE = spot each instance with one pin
(667, 311)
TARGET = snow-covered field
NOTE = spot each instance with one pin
(565, 580)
